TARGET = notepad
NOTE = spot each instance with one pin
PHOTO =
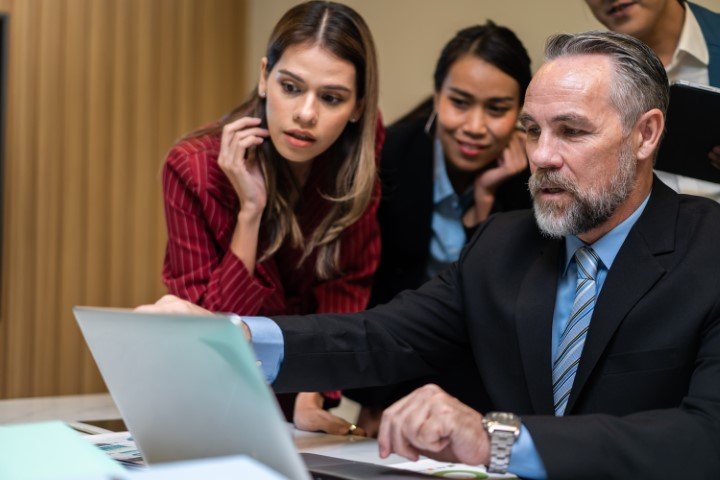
(50, 450)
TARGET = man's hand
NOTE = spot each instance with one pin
(309, 415)
(432, 423)
(173, 304)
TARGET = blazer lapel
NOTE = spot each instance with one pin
(633, 273)
(534, 316)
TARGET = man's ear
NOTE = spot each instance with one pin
(648, 132)
(262, 81)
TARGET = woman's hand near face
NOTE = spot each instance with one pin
(512, 161)
(240, 165)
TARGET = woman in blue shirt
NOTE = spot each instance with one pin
(446, 166)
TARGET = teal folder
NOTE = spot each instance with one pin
(50, 450)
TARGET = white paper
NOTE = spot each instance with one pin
(448, 470)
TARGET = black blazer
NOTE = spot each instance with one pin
(646, 398)
(406, 208)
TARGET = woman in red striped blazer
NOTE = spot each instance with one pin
(271, 210)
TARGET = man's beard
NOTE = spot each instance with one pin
(587, 209)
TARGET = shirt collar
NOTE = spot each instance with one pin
(609, 244)
(691, 41)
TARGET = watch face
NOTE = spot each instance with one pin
(505, 417)
(502, 421)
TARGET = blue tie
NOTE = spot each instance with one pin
(573, 337)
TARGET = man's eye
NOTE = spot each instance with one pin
(572, 132)
(532, 131)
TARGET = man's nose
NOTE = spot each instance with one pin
(544, 152)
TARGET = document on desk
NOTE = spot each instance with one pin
(120, 446)
(449, 470)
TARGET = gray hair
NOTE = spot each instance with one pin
(640, 82)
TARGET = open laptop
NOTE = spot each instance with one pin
(189, 387)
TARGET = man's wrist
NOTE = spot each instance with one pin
(246, 331)
(503, 429)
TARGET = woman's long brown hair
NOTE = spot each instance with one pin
(351, 159)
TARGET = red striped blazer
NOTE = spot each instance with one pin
(201, 210)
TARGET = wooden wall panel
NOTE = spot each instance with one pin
(50, 145)
(122, 111)
(18, 226)
(74, 177)
(98, 92)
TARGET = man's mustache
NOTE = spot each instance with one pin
(544, 178)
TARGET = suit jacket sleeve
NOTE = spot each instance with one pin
(414, 335)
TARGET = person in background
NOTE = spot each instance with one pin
(447, 165)
(686, 38)
(272, 209)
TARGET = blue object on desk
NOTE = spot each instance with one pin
(38, 451)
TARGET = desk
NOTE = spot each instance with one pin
(84, 408)
(69, 408)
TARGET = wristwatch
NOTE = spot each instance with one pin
(503, 429)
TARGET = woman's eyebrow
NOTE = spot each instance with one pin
(299, 79)
(292, 75)
(461, 92)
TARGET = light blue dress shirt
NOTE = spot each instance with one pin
(268, 343)
(606, 248)
(525, 460)
(448, 234)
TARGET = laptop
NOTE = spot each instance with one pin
(189, 387)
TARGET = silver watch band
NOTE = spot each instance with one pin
(500, 447)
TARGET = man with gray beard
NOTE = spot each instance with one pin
(594, 323)
(590, 207)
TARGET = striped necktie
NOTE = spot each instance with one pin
(573, 337)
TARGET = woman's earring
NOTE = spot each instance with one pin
(262, 94)
(430, 121)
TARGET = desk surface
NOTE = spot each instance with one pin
(82, 408)
(69, 408)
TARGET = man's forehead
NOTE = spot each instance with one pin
(578, 79)
(573, 74)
